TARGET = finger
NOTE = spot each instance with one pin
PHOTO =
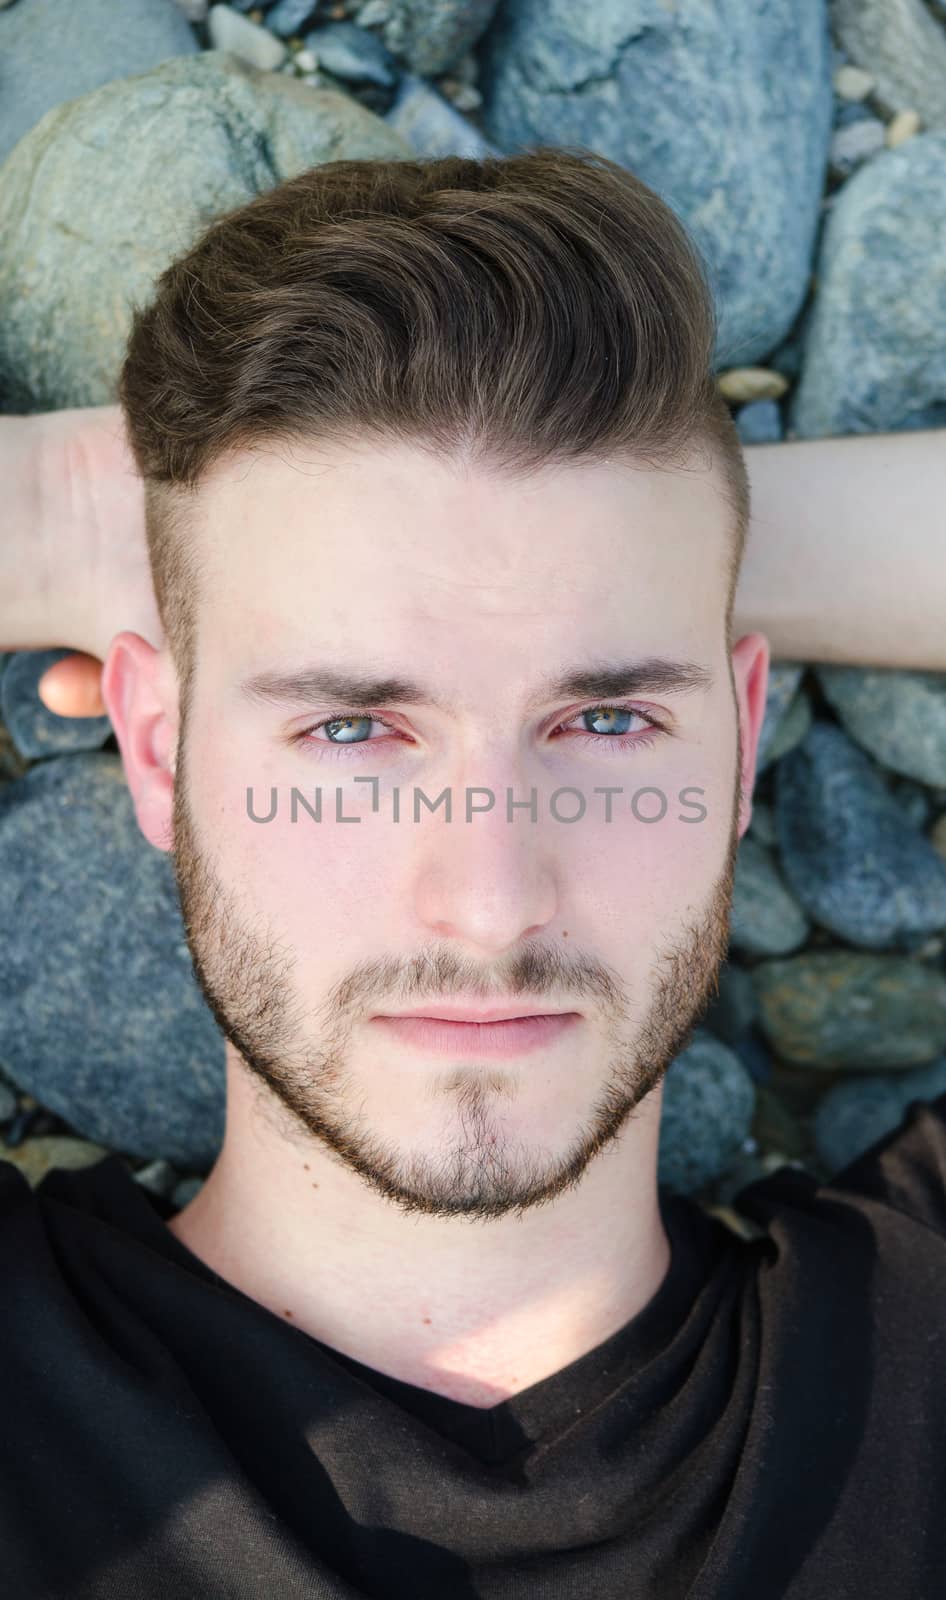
(72, 687)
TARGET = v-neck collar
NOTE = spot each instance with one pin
(495, 1434)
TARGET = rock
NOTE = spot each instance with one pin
(851, 1117)
(843, 1008)
(784, 679)
(724, 111)
(902, 127)
(848, 853)
(187, 1190)
(760, 422)
(766, 918)
(751, 383)
(35, 730)
(853, 83)
(36, 1157)
(101, 1017)
(737, 1224)
(898, 717)
(708, 1103)
(762, 825)
(158, 1176)
(913, 800)
(855, 143)
(734, 1008)
(791, 729)
(900, 44)
(255, 45)
(755, 1056)
(288, 17)
(430, 36)
(431, 125)
(352, 54)
(776, 1127)
(85, 199)
(937, 837)
(870, 365)
(373, 13)
(52, 53)
(7, 1104)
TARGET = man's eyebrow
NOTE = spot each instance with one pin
(358, 691)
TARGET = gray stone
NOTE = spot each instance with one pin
(856, 141)
(708, 1102)
(766, 918)
(914, 801)
(851, 1117)
(871, 361)
(900, 44)
(791, 728)
(35, 730)
(760, 422)
(36, 1157)
(85, 199)
(898, 717)
(228, 30)
(762, 825)
(734, 1009)
(158, 1176)
(784, 679)
(848, 853)
(431, 125)
(348, 52)
(101, 1017)
(187, 1190)
(846, 1009)
(431, 36)
(288, 17)
(755, 1056)
(725, 111)
(51, 53)
(7, 1103)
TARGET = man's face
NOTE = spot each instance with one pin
(392, 564)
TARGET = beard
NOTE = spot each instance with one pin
(300, 1059)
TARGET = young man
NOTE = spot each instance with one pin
(453, 746)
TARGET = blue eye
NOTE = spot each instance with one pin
(345, 726)
(613, 730)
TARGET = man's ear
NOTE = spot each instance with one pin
(139, 688)
(750, 667)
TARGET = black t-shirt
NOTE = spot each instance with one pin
(772, 1423)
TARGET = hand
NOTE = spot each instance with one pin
(72, 687)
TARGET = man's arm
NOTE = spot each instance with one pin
(845, 562)
(846, 555)
(73, 559)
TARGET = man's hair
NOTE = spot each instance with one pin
(518, 311)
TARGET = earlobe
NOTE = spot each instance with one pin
(140, 694)
(750, 665)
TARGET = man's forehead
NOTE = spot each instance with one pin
(290, 559)
(315, 480)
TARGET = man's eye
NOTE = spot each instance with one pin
(346, 730)
(602, 725)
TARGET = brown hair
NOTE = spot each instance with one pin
(520, 310)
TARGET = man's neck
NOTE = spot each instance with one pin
(476, 1311)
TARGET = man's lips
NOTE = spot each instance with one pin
(461, 1013)
(506, 1036)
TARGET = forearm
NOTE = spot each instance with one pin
(73, 560)
(846, 555)
(34, 599)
